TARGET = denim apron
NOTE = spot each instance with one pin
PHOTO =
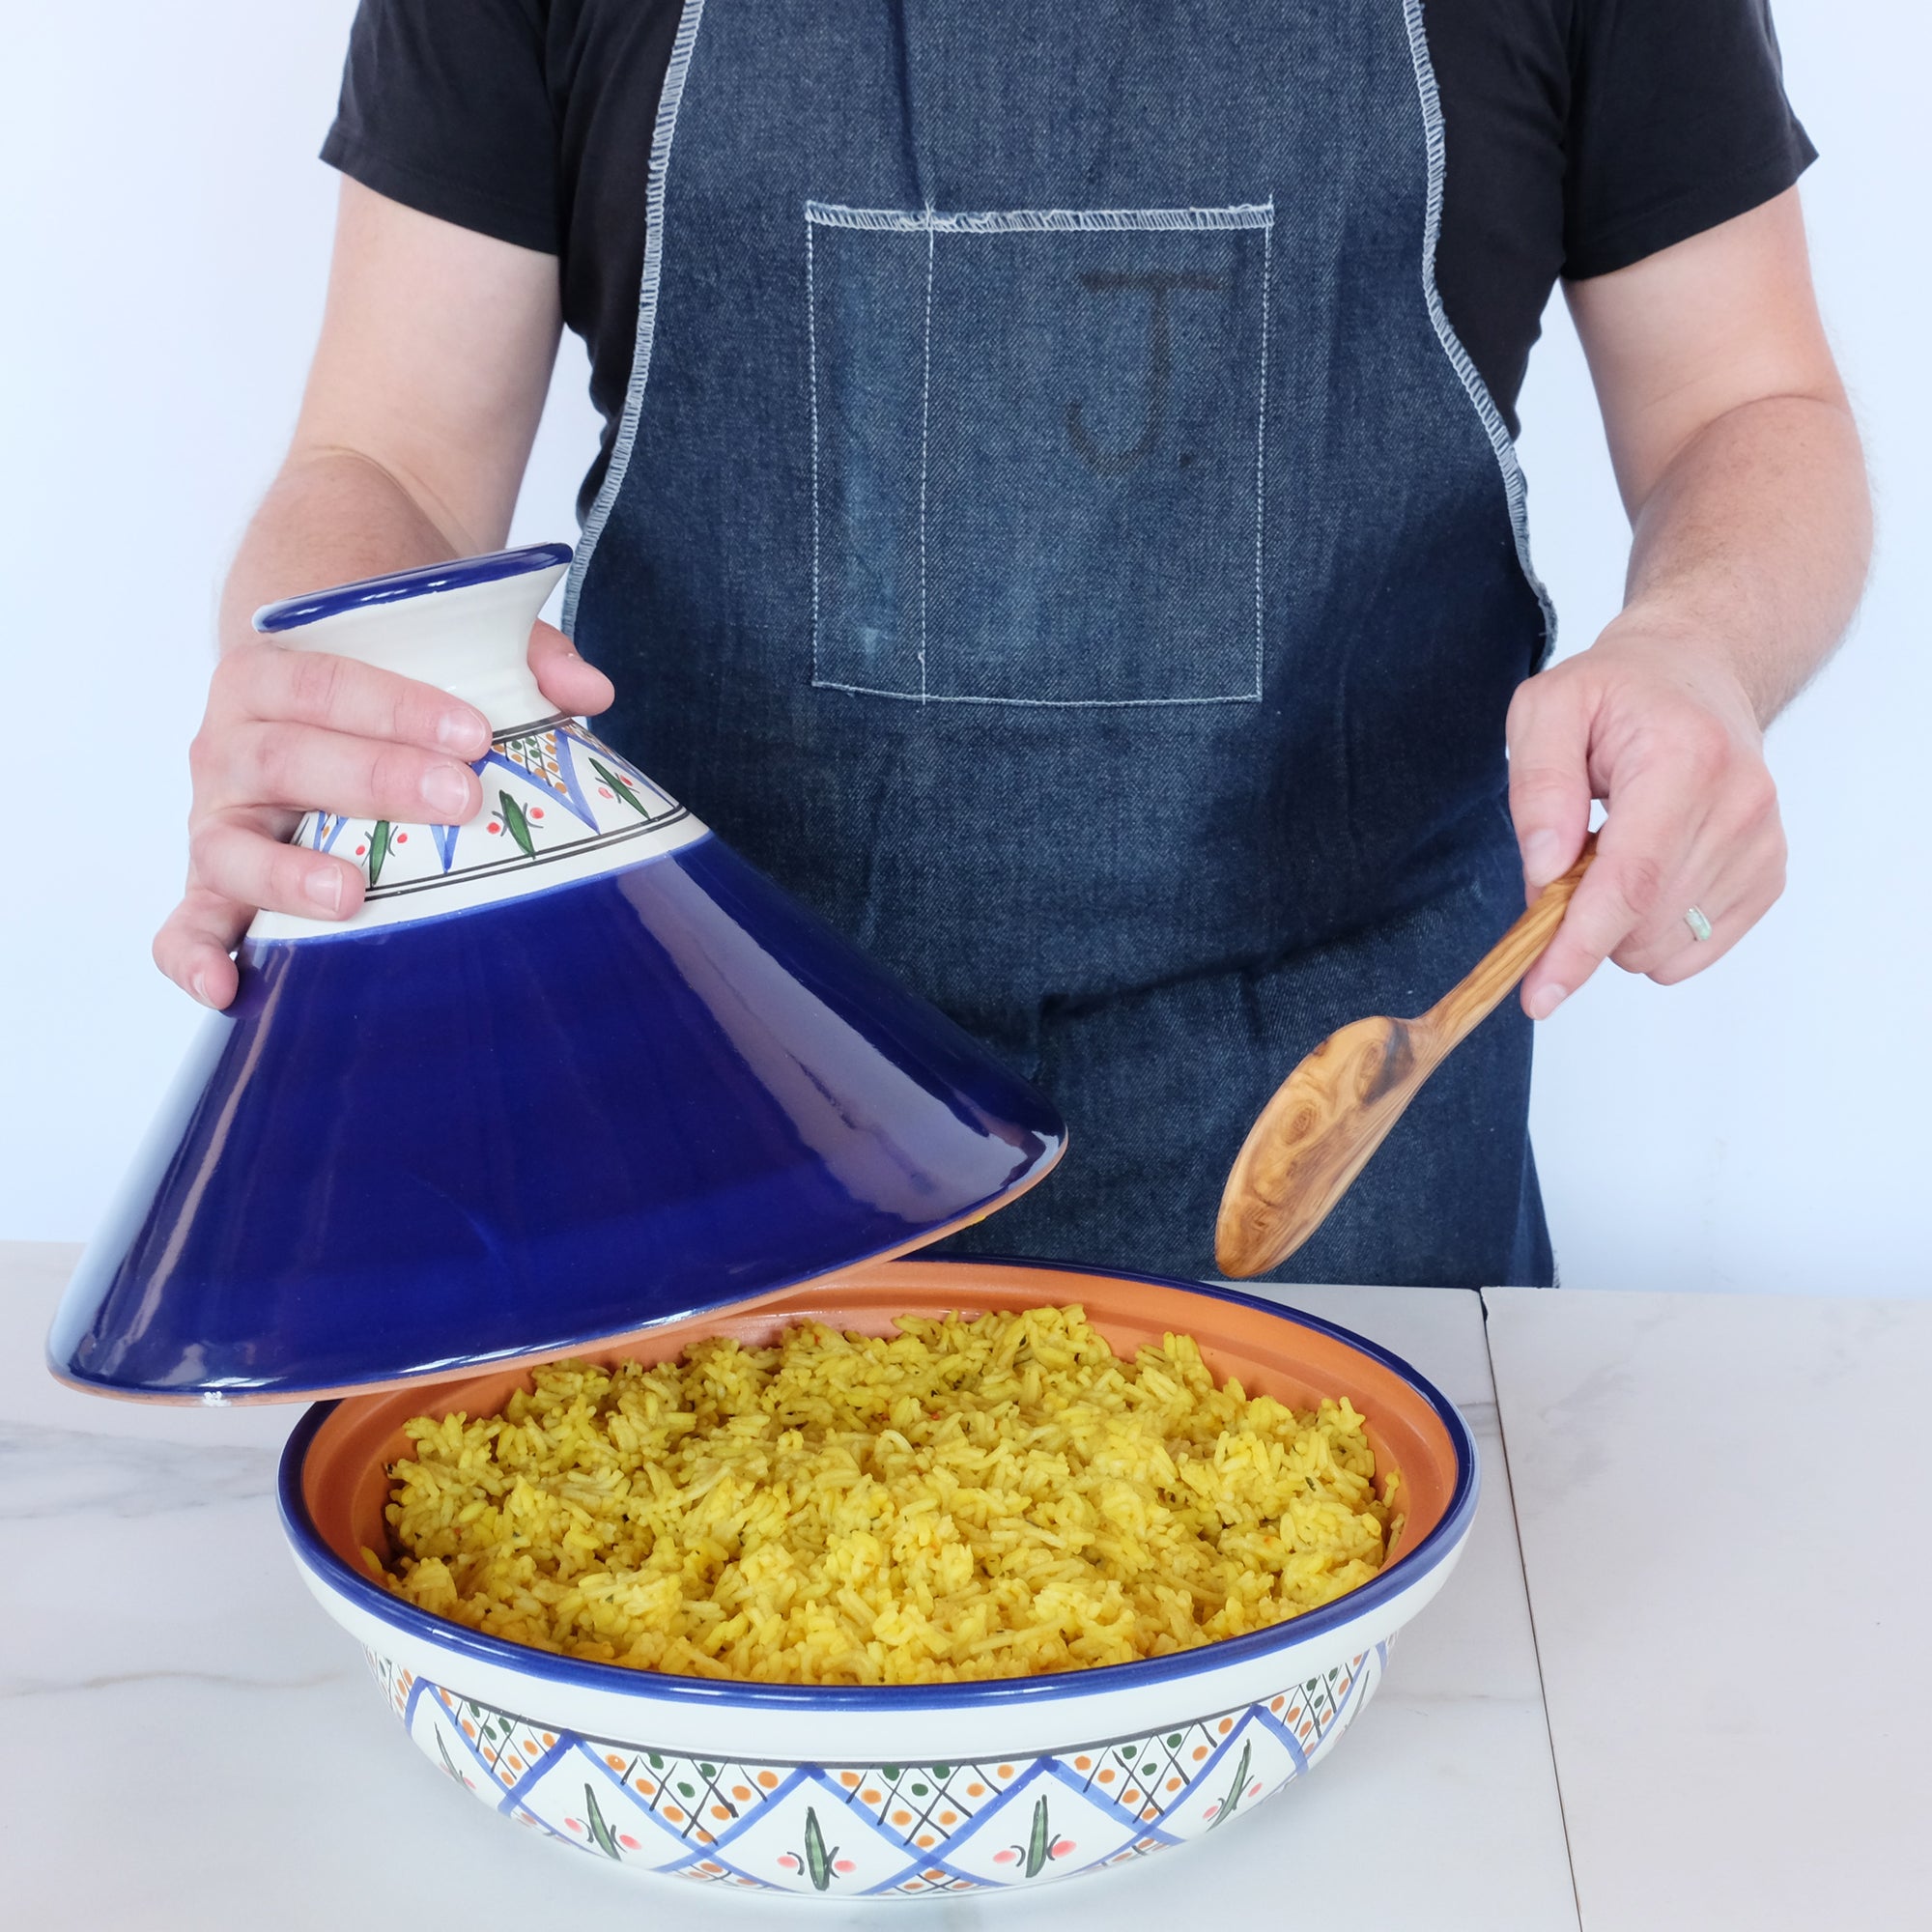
(1056, 532)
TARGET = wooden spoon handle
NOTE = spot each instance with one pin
(1474, 997)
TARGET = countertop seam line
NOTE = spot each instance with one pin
(1529, 1603)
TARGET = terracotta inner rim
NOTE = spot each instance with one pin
(345, 1474)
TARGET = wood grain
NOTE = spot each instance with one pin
(1325, 1120)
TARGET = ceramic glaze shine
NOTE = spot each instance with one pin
(574, 1068)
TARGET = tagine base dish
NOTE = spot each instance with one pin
(898, 1790)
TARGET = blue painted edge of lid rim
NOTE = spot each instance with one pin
(688, 1693)
(399, 586)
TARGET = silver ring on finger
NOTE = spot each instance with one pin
(1700, 927)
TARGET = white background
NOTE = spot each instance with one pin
(167, 230)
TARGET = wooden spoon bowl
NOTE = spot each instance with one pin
(1326, 1118)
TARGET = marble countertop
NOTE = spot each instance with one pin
(1733, 1733)
(1721, 1506)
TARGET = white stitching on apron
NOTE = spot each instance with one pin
(1515, 488)
(669, 102)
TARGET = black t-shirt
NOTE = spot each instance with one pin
(1582, 135)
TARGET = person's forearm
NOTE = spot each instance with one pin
(1753, 546)
(330, 516)
(1749, 553)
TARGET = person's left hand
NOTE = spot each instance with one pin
(1668, 738)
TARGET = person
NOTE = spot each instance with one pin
(1057, 512)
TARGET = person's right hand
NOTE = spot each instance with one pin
(288, 731)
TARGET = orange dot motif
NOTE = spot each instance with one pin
(1143, 1776)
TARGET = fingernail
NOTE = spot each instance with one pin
(445, 791)
(1545, 1000)
(460, 731)
(1542, 856)
(325, 888)
(198, 986)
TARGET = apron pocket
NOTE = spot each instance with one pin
(1037, 453)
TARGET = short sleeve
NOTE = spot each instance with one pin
(445, 108)
(1679, 121)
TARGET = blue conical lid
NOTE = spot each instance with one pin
(575, 1070)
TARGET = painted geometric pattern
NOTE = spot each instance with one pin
(898, 1829)
(550, 791)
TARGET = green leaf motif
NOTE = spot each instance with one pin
(617, 786)
(1039, 1840)
(600, 1831)
(443, 1752)
(817, 1860)
(1234, 1790)
(379, 849)
(518, 826)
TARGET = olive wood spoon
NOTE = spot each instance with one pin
(1334, 1110)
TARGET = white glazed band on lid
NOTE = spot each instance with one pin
(558, 804)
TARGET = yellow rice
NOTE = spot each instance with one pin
(989, 1497)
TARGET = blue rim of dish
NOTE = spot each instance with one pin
(459, 574)
(657, 1687)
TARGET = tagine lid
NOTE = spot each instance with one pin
(573, 1071)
